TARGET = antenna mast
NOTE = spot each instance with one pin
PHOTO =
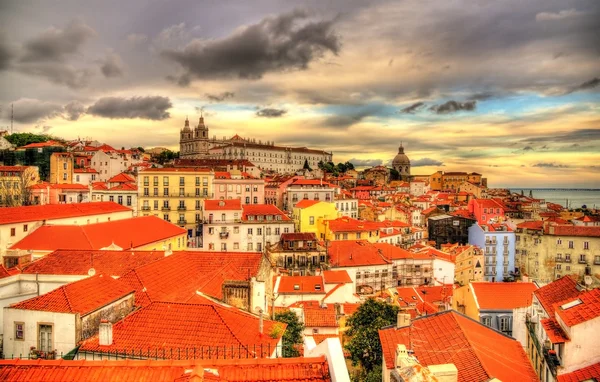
(12, 116)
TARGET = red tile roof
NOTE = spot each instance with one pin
(50, 143)
(99, 186)
(172, 326)
(573, 230)
(347, 224)
(125, 233)
(534, 225)
(85, 171)
(124, 187)
(558, 290)
(554, 331)
(304, 236)
(317, 315)
(10, 215)
(311, 182)
(589, 373)
(262, 210)
(503, 295)
(222, 175)
(305, 203)
(587, 308)
(349, 308)
(64, 186)
(177, 277)
(478, 352)
(350, 253)
(122, 178)
(83, 296)
(487, 203)
(301, 285)
(13, 168)
(112, 263)
(322, 337)
(177, 169)
(223, 205)
(336, 277)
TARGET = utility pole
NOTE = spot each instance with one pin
(12, 116)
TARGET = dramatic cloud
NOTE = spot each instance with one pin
(412, 108)
(28, 110)
(73, 110)
(353, 115)
(366, 162)
(270, 113)
(112, 66)
(153, 108)
(6, 53)
(426, 162)
(55, 44)
(274, 44)
(581, 135)
(550, 165)
(593, 83)
(219, 97)
(527, 148)
(453, 107)
(561, 15)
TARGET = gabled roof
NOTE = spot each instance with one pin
(589, 373)
(85, 171)
(223, 205)
(336, 277)
(350, 253)
(170, 326)
(503, 295)
(555, 333)
(122, 178)
(295, 236)
(125, 233)
(79, 262)
(585, 307)
(124, 187)
(558, 290)
(305, 203)
(487, 203)
(534, 225)
(11, 215)
(263, 210)
(178, 277)
(83, 296)
(478, 352)
(300, 285)
(317, 314)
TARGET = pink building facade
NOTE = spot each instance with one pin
(231, 186)
(486, 211)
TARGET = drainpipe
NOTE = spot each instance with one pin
(37, 283)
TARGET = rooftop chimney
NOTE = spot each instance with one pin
(260, 321)
(105, 337)
(403, 320)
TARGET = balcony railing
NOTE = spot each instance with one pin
(181, 208)
(223, 235)
(567, 259)
(145, 208)
(166, 208)
(582, 261)
(596, 261)
(181, 222)
(559, 259)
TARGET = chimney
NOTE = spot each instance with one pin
(168, 252)
(260, 321)
(444, 373)
(403, 320)
(105, 337)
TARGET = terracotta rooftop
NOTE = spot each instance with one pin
(558, 290)
(223, 205)
(263, 210)
(573, 230)
(121, 178)
(576, 310)
(346, 224)
(533, 225)
(83, 296)
(125, 233)
(304, 236)
(336, 277)
(590, 373)
(300, 284)
(178, 277)
(350, 308)
(13, 169)
(49, 143)
(503, 295)
(478, 352)
(318, 315)
(79, 262)
(10, 215)
(176, 169)
(305, 203)
(63, 186)
(171, 326)
(350, 253)
(554, 331)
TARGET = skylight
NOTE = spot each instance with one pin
(571, 304)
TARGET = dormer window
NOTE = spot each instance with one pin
(259, 217)
(317, 287)
(296, 287)
(250, 217)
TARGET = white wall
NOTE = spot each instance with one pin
(443, 272)
(582, 350)
(519, 329)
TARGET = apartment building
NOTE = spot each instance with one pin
(237, 185)
(498, 242)
(176, 195)
(308, 189)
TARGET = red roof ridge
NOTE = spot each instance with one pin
(67, 299)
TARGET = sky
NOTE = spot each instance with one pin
(509, 89)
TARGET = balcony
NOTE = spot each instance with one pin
(559, 259)
(165, 208)
(181, 208)
(567, 259)
(224, 235)
(596, 261)
(145, 208)
(582, 261)
(181, 222)
(505, 263)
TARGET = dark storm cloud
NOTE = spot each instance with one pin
(33, 110)
(412, 108)
(219, 97)
(153, 108)
(73, 110)
(55, 44)
(274, 44)
(353, 116)
(271, 113)
(453, 107)
(550, 165)
(57, 73)
(587, 85)
(112, 66)
(426, 162)
(528, 148)
(582, 135)
(366, 162)
(6, 53)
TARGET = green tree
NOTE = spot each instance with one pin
(22, 139)
(349, 166)
(364, 326)
(394, 174)
(141, 149)
(306, 165)
(362, 375)
(167, 156)
(341, 167)
(292, 338)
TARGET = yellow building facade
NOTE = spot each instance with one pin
(463, 301)
(306, 218)
(14, 184)
(345, 228)
(61, 168)
(175, 195)
(469, 264)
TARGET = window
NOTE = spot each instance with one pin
(13, 231)
(247, 200)
(165, 180)
(559, 241)
(255, 200)
(582, 258)
(311, 220)
(504, 327)
(249, 231)
(277, 231)
(181, 181)
(166, 191)
(45, 338)
(586, 245)
(286, 230)
(558, 267)
(223, 246)
(487, 321)
(25, 227)
(236, 229)
(258, 247)
(120, 199)
(249, 246)
(129, 200)
(111, 198)
(236, 245)
(19, 331)
(65, 176)
(259, 231)
(571, 244)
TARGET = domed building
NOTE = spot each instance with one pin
(401, 163)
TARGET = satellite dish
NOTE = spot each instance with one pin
(258, 309)
(91, 272)
(587, 280)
